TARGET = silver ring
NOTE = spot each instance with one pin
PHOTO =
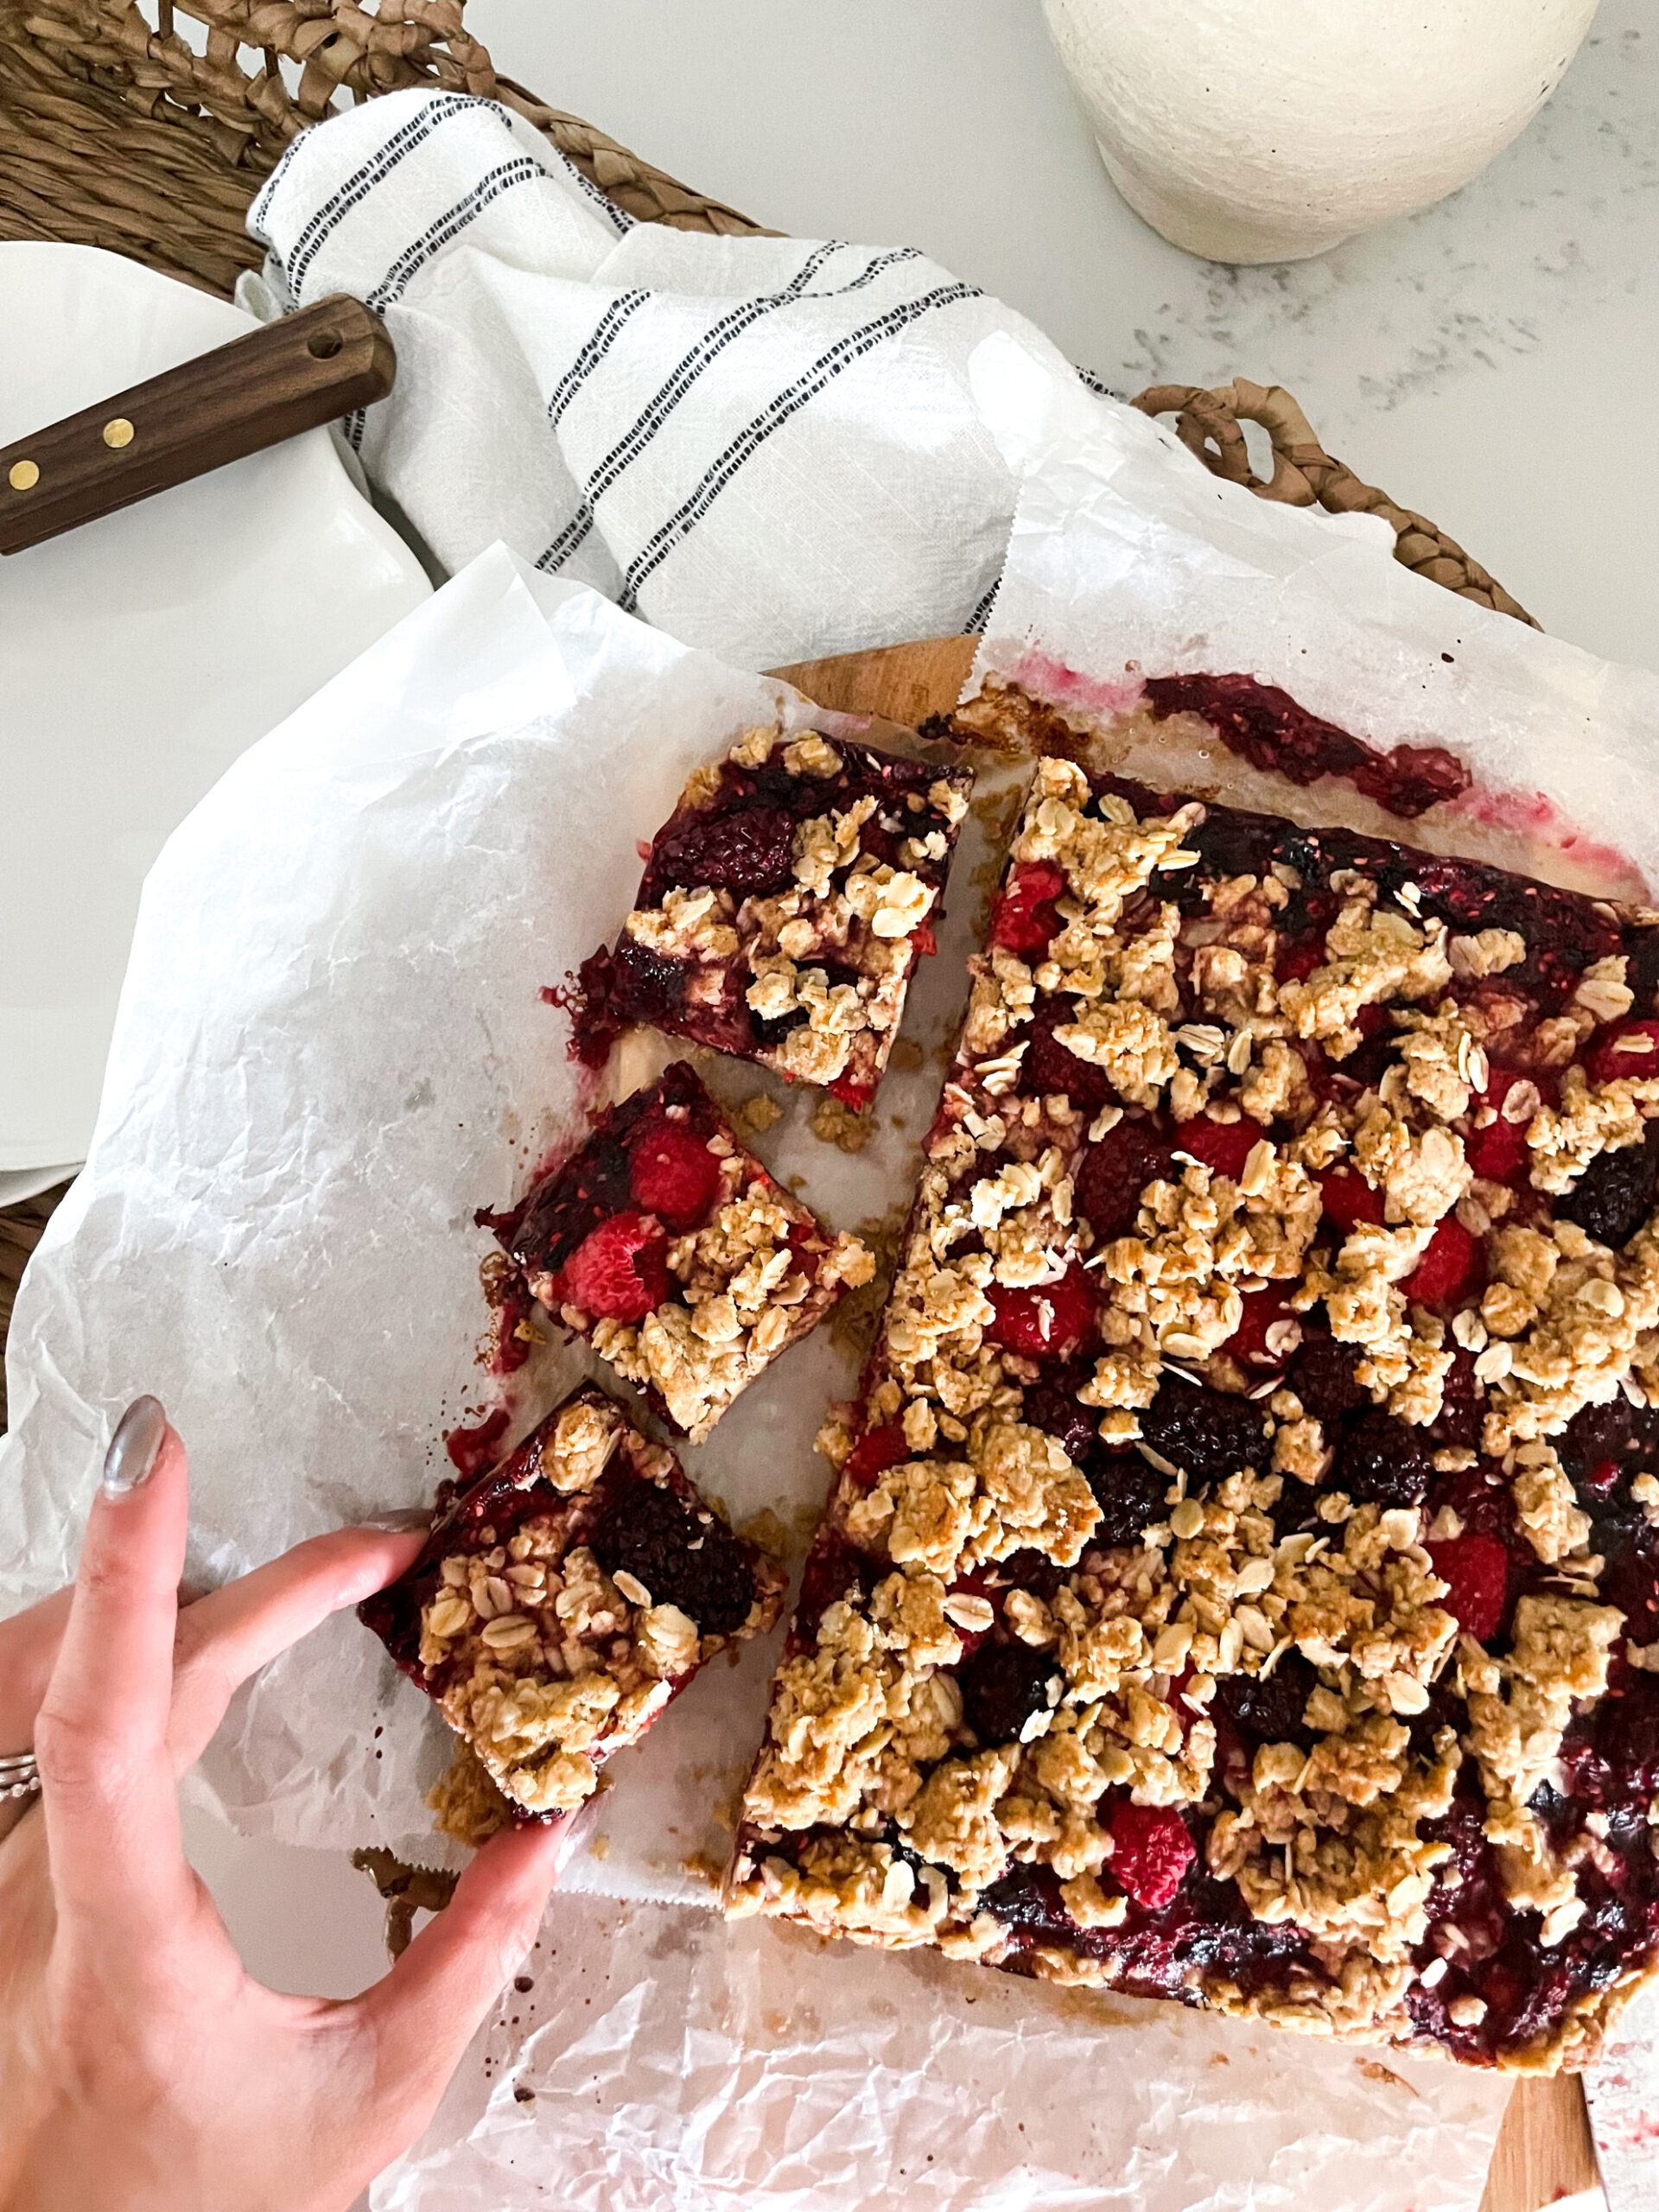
(19, 1776)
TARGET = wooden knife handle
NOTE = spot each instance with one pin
(271, 385)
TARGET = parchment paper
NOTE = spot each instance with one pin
(330, 1049)
(1128, 559)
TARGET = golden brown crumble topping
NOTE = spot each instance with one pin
(1006, 1669)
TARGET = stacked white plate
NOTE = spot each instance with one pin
(138, 656)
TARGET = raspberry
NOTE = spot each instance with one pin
(1048, 1322)
(881, 1448)
(1630, 1048)
(684, 1557)
(673, 1174)
(1497, 1153)
(1025, 919)
(1151, 1852)
(1449, 1267)
(1050, 1066)
(1224, 1146)
(1296, 962)
(1113, 1174)
(1261, 1312)
(1613, 1198)
(1349, 1200)
(751, 854)
(620, 1270)
(1476, 1573)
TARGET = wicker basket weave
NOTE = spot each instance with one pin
(150, 134)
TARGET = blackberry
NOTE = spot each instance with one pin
(1384, 1461)
(1463, 1406)
(1614, 1196)
(683, 1558)
(1322, 1376)
(1596, 1434)
(1051, 1405)
(1271, 1711)
(1204, 1432)
(751, 854)
(1028, 1898)
(644, 983)
(1130, 1494)
(1002, 1685)
(1231, 843)
(1643, 973)
(1113, 1174)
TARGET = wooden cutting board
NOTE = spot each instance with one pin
(1544, 2151)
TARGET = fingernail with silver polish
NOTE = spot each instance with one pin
(403, 1521)
(134, 1446)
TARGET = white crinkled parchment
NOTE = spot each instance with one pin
(330, 1050)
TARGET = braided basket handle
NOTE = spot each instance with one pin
(1305, 475)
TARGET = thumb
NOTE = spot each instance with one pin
(424, 2012)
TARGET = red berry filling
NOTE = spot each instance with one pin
(1046, 1323)
(674, 1175)
(620, 1270)
(1151, 1852)
(879, 1449)
(1262, 1311)
(1025, 919)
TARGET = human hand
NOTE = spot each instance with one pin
(141, 2068)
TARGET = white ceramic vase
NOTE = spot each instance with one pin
(1250, 130)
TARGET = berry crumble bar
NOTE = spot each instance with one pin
(1242, 1581)
(561, 1602)
(785, 904)
(675, 1254)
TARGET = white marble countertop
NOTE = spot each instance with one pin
(1486, 363)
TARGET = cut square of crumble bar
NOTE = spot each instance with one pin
(671, 1249)
(785, 904)
(561, 1602)
(1242, 1581)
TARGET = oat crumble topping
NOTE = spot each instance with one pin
(1241, 1580)
(671, 1249)
(783, 910)
(561, 1601)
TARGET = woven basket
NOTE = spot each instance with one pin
(149, 135)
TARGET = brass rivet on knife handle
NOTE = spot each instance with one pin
(290, 376)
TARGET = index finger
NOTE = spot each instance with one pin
(112, 1814)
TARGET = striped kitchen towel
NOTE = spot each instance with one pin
(766, 446)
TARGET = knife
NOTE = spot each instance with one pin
(286, 376)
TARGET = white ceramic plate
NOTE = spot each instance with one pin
(138, 656)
